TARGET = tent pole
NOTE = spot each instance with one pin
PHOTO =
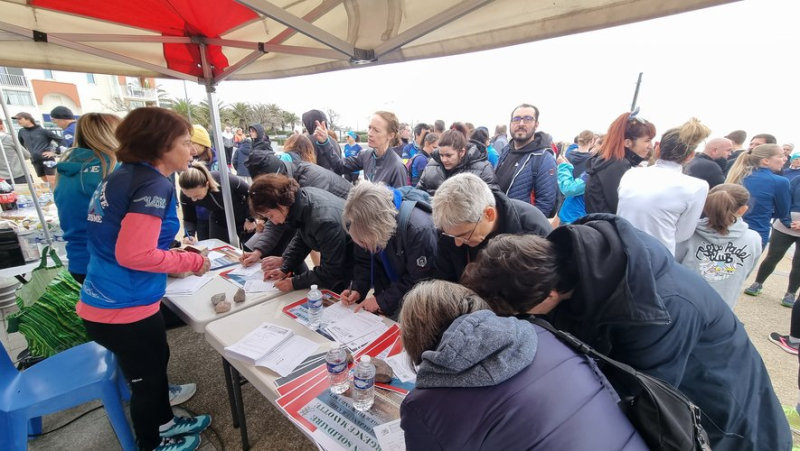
(216, 128)
(18, 149)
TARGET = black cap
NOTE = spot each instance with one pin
(61, 112)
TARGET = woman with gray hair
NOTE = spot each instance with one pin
(469, 214)
(389, 256)
(509, 376)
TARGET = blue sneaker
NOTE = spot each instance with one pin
(754, 289)
(187, 426)
(788, 300)
(184, 443)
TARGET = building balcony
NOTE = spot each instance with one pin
(141, 93)
(13, 80)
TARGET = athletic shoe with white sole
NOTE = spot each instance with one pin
(179, 394)
(187, 426)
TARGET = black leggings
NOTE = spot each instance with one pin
(143, 353)
(779, 243)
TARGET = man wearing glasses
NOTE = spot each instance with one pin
(468, 214)
(527, 167)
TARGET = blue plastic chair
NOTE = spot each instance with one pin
(73, 377)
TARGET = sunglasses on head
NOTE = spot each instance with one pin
(634, 116)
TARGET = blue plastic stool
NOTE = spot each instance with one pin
(76, 376)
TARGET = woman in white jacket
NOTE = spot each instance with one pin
(660, 200)
(723, 249)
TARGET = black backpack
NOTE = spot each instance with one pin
(664, 418)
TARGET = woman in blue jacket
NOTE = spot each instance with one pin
(770, 198)
(491, 383)
(80, 170)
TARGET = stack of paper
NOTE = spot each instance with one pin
(272, 347)
(186, 286)
(354, 330)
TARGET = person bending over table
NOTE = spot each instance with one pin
(388, 259)
(132, 222)
(317, 217)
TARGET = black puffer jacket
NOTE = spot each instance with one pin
(307, 175)
(475, 161)
(602, 194)
(260, 148)
(317, 217)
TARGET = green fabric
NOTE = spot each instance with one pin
(46, 316)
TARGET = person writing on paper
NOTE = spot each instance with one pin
(483, 379)
(395, 246)
(132, 220)
(200, 188)
(317, 217)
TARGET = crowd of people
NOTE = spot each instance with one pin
(639, 247)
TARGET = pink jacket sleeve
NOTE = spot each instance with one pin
(137, 248)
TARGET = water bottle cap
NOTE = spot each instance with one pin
(365, 359)
(313, 287)
(335, 345)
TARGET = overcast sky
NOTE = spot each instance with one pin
(731, 66)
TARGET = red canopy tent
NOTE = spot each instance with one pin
(208, 41)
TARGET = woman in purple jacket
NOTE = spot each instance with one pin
(490, 383)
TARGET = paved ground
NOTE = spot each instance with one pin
(194, 360)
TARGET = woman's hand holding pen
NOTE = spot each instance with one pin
(349, 297)
(283, 281)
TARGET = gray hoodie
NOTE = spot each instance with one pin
(478, 350)
(724, 261)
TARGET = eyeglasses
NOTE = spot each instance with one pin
(634, 116)
(469, 237)
(525, 119)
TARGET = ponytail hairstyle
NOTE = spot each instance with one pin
(722, 203)
(585, 137)
(455, 137)
(751, 159)
(677, 144)
(626, 126)
(303, 146)
(196, 176)
(95, 131)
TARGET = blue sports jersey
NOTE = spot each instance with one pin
(133, 188)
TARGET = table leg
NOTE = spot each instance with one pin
(226, 369)
(237, 391)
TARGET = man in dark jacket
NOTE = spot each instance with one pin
(622, 292)
(469, 214)
(65, 119)
(527, 167)
(390, 256)
(327, 149)
(710, 164)
(41, 144)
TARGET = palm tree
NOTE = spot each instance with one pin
(241, 113)
(185, 108)
(259, 113)
(274, 115)
(289, 119)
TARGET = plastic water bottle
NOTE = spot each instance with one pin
(336, 360)
(364, 384)
(314, 308)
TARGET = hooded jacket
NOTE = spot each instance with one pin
(261, 141)
(241, 156)
(514, 216)
(529, 173)
(79, 173)
(705, 168)
(328, 152)
(410, 262)
(503, 384)
(37, 140)
(572, 188)
(578, 160)
(475, 161)
(633, 302)
(724, 261)
(604, 176)
(259, 148)
(317, 217)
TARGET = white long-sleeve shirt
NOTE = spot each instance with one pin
(662, 201)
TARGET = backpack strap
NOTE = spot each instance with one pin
(403, 217)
